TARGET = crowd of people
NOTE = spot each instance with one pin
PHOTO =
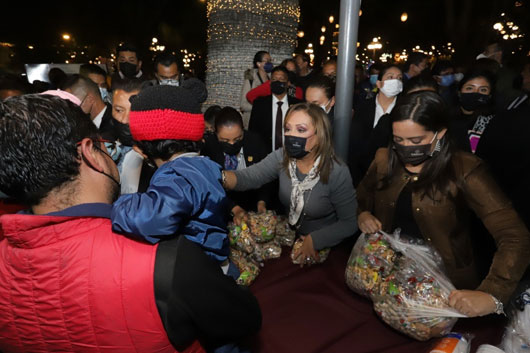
(117, 190)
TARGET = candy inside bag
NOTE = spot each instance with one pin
(267, 251)
(285, 235)
(248, 269)
(240, 238)
(323, 254)
(262, 225)
(405, 281)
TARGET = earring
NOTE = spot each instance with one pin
(437, 148)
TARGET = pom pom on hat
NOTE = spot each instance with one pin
(168, 113)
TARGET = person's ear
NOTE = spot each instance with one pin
(90, 155)
(379, 84)
(138, 150)
(332, 102)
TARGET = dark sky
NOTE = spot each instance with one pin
(182, 24)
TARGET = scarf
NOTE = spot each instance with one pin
(299, 187)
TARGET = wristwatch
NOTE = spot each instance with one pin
(499, 307)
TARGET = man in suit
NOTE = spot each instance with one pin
(268, 113)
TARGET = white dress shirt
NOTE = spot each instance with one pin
(379, 112)
(99, 117)
(285, 108)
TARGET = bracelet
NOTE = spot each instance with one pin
(499, 307)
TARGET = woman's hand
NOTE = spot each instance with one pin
(307, 252)
(262, 207)
(472, 302)
(240, 215)
(368, 223)
(229, 179)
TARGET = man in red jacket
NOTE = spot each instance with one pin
(67, 282)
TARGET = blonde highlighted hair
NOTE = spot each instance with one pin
(324, 147)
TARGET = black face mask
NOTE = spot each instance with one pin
(128, 70)
(295, 146)
(414, 155)
(124, 133)
(278, 87)
(232, 149)
(207, 134)
(474, 101)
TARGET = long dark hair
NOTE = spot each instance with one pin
(428, 110)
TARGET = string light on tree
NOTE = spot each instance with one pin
(237, 29)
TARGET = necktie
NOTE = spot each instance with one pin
(231, 162)
(279, 124)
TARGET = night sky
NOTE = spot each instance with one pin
(182, 24)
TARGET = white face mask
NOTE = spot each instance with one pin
(459, 76)
(324, 107)
(169, 82)
(104, 94)
(392, 88)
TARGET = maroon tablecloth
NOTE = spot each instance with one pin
(312, 310)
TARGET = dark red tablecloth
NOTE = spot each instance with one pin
(312, 310)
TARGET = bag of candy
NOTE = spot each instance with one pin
(248, 269)
(284, 234)
(240, 238)
(405, 280)
(323, 254)
(267, 251)
(262, 225)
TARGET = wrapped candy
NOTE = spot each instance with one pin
(284, 234)
(240, 238)
(262, 225)
(248, 269)
(323, 254)
(405, 282)
(267, 251)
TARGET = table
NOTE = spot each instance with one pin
(312, 310)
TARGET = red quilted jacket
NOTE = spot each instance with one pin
(69, 284)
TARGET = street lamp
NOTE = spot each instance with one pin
(404, 17)
(375, 45)
(66, 36)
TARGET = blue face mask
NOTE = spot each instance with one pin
(268, 67)
(373, 80)
(447, 80)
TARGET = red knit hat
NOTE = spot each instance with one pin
(166, 112)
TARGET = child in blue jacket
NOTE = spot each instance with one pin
(185, 195)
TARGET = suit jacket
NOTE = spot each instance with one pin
(254, 151)
(106, 129)
(261, 118)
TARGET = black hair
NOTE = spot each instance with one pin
(420, 81)
(38, 140)
(258, 57)
(305, 57)
(127, 85)
(428, 110)
(80, 86)
(486, 64)
(56, 77)
(476, 73)
(325, 83)
(375, 66)
(441, 65)
(166, 59)
(286, 61)
(87, 69)
(415, 58)
(280, 68)
(228, 116)
(211, 114)
(128, 46)
(165, 149)
(15, 83)
(384, 70)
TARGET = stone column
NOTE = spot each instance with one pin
(237, 29)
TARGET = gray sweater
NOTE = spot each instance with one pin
(330, 210)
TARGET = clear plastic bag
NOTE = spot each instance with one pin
(323, 254)
(405, 281)
(240, 238)
(517, 335)
(284, 234)
(267, 251)
(262, 225)
(248, 269)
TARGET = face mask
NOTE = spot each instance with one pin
(268, 67)
(414, 154)
(473, 101)
(447, 80)
(232, 149)
(324, 107)
(169, 82)
(392, 88)
(207, 134)
(128, 70)
(459, 76)
(124, 133)
(278, 87)
(295, 146)
(104, 94)
(373, 79)
(116, 186)
(113, 150)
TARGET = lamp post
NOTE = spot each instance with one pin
(375, 45)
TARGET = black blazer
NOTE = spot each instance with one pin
(254, 150)
(106, 129)
(261, 118)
